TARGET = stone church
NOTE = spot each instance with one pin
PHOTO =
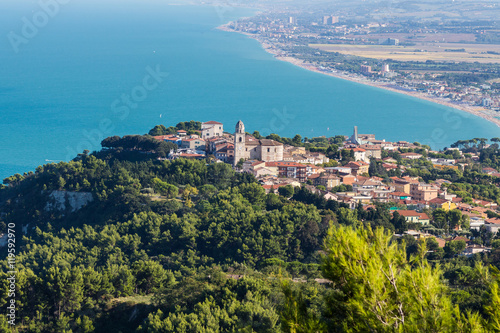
(248, 148)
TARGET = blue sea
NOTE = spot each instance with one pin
(73, 72)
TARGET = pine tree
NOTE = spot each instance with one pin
(379, 290)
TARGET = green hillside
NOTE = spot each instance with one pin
(119, 241)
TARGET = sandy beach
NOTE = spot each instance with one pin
(475, 110)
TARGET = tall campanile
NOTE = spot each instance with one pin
(239, 142)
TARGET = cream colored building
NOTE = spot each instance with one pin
(328, 180)
(247, 147)
(374, 151)
(423, 192)
(211, 128)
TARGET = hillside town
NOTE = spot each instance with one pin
(208, 166)
(350, 178)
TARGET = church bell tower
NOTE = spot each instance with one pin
(239, 142)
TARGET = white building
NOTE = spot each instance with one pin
(211, 129)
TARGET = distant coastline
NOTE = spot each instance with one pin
(477, 111)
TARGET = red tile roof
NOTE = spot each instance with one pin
(389, 166)
(438, 201)
(494, 220)
(355, 164)
(441, 242)
(408, 213)
(400, 180)
(191, 155)
(275, 186)
(400, 194)
(164, 137)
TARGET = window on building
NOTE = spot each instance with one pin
(268, 150)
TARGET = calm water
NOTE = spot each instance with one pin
(67, 87)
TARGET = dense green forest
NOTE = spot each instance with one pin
(190, 246)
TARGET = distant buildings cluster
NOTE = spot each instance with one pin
(283, 33)
(329, 20)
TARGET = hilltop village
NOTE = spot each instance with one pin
(195, 219)
(361, 173)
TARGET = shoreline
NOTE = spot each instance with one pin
(476, 111)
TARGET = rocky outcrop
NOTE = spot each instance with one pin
(68, 201)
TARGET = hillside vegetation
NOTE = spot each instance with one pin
(186, 246)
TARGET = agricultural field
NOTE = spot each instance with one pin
(443, 52)
(420, 37)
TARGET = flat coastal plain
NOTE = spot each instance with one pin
(489, 115)
(446, 52)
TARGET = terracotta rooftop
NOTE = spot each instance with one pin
(389, 166)
(494, 220)
(408, 213)
(459, 238)
(191, 155)
(400, 194)
(275, 186)
(438, 201)
(165, 137)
